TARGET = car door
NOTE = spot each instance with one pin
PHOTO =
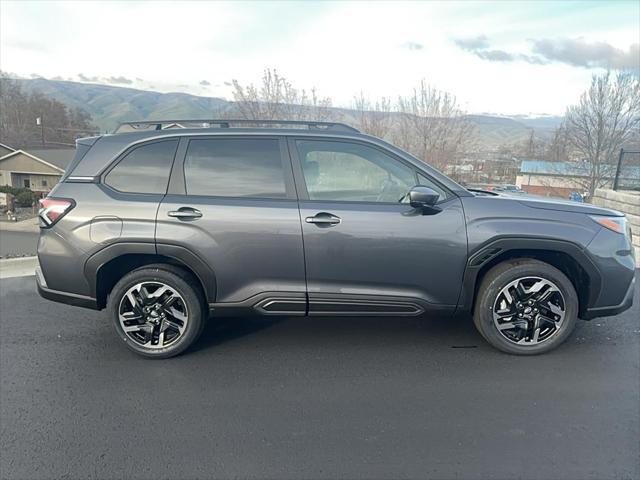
(232, 205)
(367, 251)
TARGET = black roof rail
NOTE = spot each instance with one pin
(227, 123)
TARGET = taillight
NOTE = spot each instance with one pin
(53, 209)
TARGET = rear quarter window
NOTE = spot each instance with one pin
(145, 169)
(235, 167)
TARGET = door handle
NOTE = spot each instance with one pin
(185, 212)
(324, 218)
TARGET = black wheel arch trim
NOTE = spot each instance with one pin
(488, 251)
(182, 255)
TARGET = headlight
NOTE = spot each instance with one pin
(617, 224)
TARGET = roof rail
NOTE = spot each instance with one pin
(225, 123)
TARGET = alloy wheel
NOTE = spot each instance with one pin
(529, 310)
(153, 314)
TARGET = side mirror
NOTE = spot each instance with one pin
(423, 197)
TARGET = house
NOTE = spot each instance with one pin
(560, 179)
(5, 149)
(36, 169)
(484, 167)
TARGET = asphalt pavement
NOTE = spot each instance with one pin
(14, 244)
(312, 398)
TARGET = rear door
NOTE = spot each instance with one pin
(367, 250)
(232, 204)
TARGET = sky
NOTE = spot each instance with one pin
(502, 57)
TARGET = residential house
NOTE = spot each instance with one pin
(560, 179)
(5, 149)
(36, 169)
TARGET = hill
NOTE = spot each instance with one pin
(109, 105)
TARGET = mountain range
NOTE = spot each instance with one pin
(110, 105)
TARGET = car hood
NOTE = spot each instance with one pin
(563, 205)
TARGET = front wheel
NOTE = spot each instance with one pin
(157, 312)
(525, 307)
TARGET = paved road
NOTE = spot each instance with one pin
(17, 243)
(302, 398)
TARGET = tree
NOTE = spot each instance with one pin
(606, 118)
(277, 99)
(557, 149)
(19, 111)
(433, 127)
(373, 118)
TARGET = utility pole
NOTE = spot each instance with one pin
(40, 123)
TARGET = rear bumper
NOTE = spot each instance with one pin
(63, 297)
(627, 303)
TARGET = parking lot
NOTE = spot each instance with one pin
(312, 398)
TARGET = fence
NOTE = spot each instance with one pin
(628, 171)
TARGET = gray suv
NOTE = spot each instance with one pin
(166, 223)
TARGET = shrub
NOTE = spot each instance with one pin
(25, 198)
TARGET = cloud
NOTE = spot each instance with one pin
(576, 52)
(473, 44)
(580, 53)
(84, 78)
(119, 80)
(495, 55)
(413, 46)
(204, 83)
(479, 46)
(30, 45)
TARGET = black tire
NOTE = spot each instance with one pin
(189, 291)
(500, 277)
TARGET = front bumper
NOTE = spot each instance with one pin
(608, 311)
(62, 297)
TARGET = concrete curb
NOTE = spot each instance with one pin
(30, 225)
(18, 267)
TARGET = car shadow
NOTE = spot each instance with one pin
(450, 332)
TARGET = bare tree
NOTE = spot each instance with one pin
(19, 111)
(557, 149)
(373, 118)
(277, 99)
(606, 117)
(433, 127)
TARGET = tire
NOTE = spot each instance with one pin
(168, 315)
(511, 326)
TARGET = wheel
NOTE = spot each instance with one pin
(525, 307)
(157, 310)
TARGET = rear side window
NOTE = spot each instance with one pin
(144, 169)
(235, 167)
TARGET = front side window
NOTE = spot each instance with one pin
(427, 182)
(346, 171)
(235, 167)
(144, 169)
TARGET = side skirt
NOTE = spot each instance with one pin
(297, 304)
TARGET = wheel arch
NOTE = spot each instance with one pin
(567, 257)
(106, 267)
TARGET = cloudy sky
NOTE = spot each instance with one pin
(502, 57)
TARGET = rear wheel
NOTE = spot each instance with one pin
(525, 307)
(158, 312)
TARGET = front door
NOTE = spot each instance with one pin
(232, 203)
(367, 251)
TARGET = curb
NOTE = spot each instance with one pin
(25, 226)
(18, 267)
